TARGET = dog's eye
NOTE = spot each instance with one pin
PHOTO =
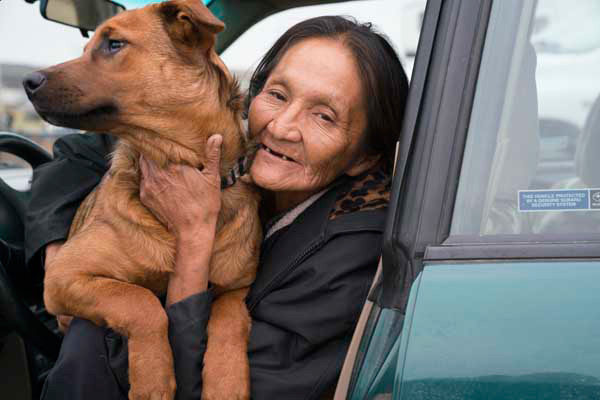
(115, 45)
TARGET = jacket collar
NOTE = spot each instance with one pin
(305, 234)
(309, 231)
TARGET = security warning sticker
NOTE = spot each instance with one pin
(559, 200)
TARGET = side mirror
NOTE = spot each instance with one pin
(85, 15)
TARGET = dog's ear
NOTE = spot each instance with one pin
(191, 26)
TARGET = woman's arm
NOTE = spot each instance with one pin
(188, 202)
(59, 186)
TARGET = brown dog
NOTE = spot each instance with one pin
(152, 77)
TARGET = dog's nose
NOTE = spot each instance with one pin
(33, 82)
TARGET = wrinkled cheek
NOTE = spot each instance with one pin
(256, 118)
(329, 166)
(322, 174)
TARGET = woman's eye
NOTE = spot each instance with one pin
(325, 117)
(277, 95)
(115, 45)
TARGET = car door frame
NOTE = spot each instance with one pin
(428, 169)
(441, 93)
(432, 142)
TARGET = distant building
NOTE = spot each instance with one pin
(11, 88)
(17, 113)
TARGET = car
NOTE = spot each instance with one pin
(488, 283)
(490, 274)
(566, 63)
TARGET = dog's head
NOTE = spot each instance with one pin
(146, 74)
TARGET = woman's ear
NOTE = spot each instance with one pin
(364, 163)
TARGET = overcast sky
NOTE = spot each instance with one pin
(27, 38)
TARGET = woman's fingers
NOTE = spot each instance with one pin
(213, 156)
(150, 189)
(143, 166)
(51, 251)
(144, 173)
(181, 196)
(145, 181)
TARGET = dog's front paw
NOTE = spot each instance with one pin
(151, 373)
(232, 392)
(153, 383)
(235, 393)
(226, 374)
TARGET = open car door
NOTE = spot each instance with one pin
(488, 285)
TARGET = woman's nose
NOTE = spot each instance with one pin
(285, 125)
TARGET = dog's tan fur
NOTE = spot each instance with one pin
(164, 94)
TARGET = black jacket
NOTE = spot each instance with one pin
(312, 281)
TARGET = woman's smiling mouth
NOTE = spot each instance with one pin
(276, 154)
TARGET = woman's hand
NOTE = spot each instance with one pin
(188, 202)
(184, 198)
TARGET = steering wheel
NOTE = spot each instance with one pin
(15, 315)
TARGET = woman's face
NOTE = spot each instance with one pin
(310, 118)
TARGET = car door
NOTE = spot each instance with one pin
(489, 280)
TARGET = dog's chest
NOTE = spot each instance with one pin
(142, 248)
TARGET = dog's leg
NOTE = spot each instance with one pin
(226, 373)
(129, 309)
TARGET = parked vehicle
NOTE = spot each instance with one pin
(567, 60)
(488, 286)
(489, 280)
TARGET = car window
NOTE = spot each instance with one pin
(27, 43)
(532, 135)
(553, 29)
(529, 165)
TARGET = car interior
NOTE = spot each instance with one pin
(520, 144)
(25, 328)
(502, 148)
(587, 176)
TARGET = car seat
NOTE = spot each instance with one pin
(516, 155)
(588, 177)
(21, 306)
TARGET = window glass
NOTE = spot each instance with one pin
(553, 29)
(530, 159)
(27, 43)
(379, 362)
(379, 352)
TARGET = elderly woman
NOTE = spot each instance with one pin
(326, 104)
